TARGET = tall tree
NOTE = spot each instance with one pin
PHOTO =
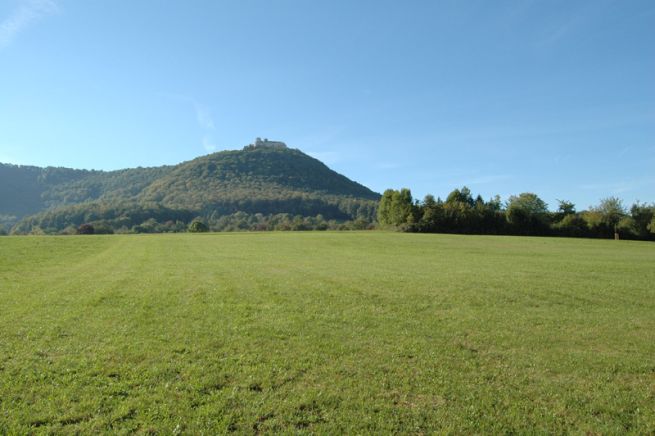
(641, 215)
(565, 208)
(396, 208)
(527, 213)
(610, 210)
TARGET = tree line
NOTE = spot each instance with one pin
(151, 217)
(460, 212)
(523, 214)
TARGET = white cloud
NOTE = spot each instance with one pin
(24, 16)
(204, 116)
(208, 143)
(206, 122)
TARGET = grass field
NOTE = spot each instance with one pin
(326, 333)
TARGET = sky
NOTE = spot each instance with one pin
(552, 97)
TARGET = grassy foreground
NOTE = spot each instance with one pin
(326, 333)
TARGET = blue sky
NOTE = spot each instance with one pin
(553, 97)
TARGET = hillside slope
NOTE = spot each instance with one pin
(22, 188)
(253, 175)
(256, 180)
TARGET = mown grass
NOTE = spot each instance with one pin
(326, 333)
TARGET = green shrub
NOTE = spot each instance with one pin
(86, 229)
(198, 226)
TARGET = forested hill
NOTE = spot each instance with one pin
(23, 189)
(259, 179)
(250, 175)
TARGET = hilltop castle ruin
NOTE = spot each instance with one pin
(259, 143)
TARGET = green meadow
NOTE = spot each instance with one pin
(315, 332)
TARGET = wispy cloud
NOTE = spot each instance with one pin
(620, 186)
(559, 31)
(208, 143)
(204, 119)
(206, 122)
(25, 15)
(625, 150)
(204, 116)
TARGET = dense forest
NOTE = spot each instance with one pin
(523, 214)
(275, 187)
